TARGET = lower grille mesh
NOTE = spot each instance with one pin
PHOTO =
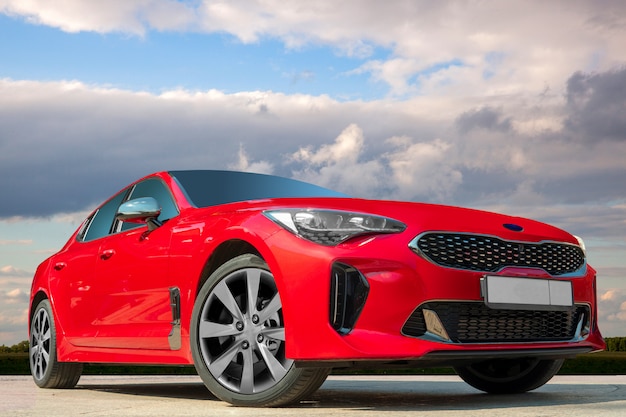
(474, 322)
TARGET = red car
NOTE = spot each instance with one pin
(265, 284)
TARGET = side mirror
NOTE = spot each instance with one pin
(140, 210)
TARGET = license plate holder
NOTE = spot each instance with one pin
(521, 293)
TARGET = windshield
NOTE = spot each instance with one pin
(211, 188)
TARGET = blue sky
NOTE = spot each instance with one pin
(196, 61)
(516, 108)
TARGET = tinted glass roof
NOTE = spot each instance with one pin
(210, 188)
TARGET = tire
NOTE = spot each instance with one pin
(509, 376)
(46, 370)
(238, 339)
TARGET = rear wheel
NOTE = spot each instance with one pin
(238, 338)
(509, 376)
(47, 371)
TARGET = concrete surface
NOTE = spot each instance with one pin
(340, 396)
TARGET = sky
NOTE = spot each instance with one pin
(515, 107)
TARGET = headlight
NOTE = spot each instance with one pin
(331, 227)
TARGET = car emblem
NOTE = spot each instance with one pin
(513, 227)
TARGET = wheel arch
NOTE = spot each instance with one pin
(239, 244)
(228, 259)
(37, 298)
(223, 253)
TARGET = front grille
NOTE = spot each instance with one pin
(490, 254)
(474, 322)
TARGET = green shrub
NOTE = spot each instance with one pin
(615, 344)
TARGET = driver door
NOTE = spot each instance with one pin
(132, 271)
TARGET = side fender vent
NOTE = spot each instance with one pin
(174, 337)
(348, 293)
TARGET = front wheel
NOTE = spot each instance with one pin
(238, 338)
(509, 376)
(47, 371)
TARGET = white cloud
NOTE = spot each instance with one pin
(422, 169)
(16, 296)
(13, 325)
(394, 72)
(444, 150)
(444, 48)
(11, 271)
(346, 149)
(243, 164)
(133, 16)
(5, 242)
(612, 305)
(14, 320)
(339, 165)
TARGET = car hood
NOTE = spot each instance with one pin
(423, 217)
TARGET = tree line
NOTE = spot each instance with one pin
(21, 347)
(615, 344)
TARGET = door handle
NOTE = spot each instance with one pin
(107, 254)
(59, 266)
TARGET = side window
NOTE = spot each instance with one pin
(156, 189)
(102, 221)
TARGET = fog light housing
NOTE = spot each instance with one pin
(434, 325)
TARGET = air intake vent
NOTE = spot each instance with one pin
(490, 254)
(474, 322)
(348, 293)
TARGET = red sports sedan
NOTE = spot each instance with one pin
(265, 284)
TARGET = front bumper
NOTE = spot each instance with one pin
(401, 285)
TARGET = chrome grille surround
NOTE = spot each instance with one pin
(484, 253)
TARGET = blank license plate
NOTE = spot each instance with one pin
(526, 293)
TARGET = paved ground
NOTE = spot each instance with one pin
(339, 396)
